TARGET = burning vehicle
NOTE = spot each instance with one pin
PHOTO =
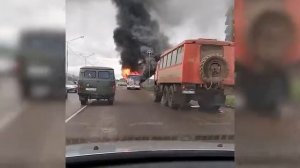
(198, 70)
(137, 33)
(133, 79)
(133, 82)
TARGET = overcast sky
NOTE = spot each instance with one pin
(17, 15)
(95, 19)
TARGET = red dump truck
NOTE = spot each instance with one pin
(198, 70)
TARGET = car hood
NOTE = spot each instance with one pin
(137, 146)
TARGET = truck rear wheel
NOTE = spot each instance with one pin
(172, 98)
(84, 101)
(165, 95)
(211, 101)
(157, 94)
(208, 106)
(183, 101)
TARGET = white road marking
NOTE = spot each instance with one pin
(8, 118)
(77, 112)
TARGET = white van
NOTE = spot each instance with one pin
(133, 82)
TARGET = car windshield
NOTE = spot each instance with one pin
(178, 101)
(134, 77)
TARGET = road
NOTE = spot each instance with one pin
(34, 127)
(135, 115)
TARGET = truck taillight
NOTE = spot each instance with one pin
(188, 88)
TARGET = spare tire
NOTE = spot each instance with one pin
(213, 69)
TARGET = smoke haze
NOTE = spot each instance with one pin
(190, 18)
(144, 25)
(136, 33)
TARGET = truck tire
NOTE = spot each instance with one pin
(213, 69)
(183, 101)
(164, 99)
(208, 106)
(157, 94)
(206, 102)
(172, 98)
(84, 101)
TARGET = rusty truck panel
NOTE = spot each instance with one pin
(188, 71)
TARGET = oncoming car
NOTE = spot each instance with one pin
(71, 86)
(96, 83)
(122, 82)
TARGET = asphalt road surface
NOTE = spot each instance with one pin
(135, 115)
(31, 132)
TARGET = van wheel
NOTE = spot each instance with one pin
(172, 99)
(84, 102)
(157, 94)
(165, 95)
(111, 101)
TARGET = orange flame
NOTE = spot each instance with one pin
(127, 71)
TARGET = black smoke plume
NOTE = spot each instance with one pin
(136, 34)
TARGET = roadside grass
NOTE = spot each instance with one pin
(295, 90)
(230, 101)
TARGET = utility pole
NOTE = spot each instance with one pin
(67, 50)
(149, 52)
(86, 56)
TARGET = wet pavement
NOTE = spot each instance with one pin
(134, 115)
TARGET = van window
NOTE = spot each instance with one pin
(89, 74)
(174, 56)
(134, 77)
(179, 55)
(104, 75)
